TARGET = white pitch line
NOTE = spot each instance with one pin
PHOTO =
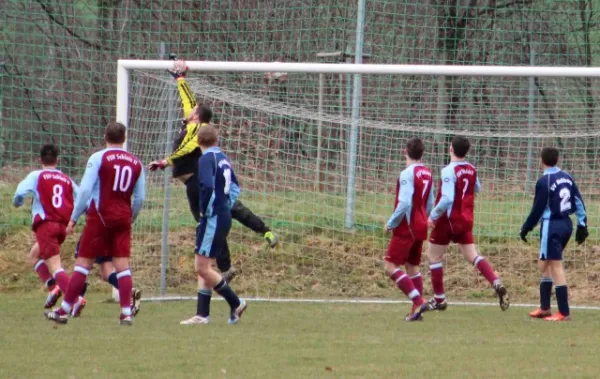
(359, 301)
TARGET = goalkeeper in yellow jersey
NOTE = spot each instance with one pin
(184, 162)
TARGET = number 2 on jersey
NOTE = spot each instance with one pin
(122, 178)
(565, 197)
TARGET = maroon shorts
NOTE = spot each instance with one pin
(99, 240)
(402, 250)
(49, 236)
(443, 234)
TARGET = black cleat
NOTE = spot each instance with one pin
(271, 238)
(434, 305)
(230, 274)
(502, 294)
(136, 301)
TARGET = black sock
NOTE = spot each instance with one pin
(82, 294)
(203, 305)
(562, 298)
(112, 279)
(227, 293)
(545, 293)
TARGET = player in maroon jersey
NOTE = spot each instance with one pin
(112, 178)
(414, 199)
(52, 193)
(452, 221)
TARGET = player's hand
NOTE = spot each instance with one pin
(70, 228)
(430, 223)
(179, 69)
(581, 235)
(387, 228)
(523, 235)
(153, 166)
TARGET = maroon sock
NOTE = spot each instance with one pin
(405, 284)
(485, 269)
(62, 279)
(125, 285)
(437, 281)
(418, 282)
(76, 284)
(43, 273)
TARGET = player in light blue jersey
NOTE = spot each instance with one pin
(219, 190)
(556, 198)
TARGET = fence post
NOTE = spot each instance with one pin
(530, 122)
(354, 132)
(164, 54)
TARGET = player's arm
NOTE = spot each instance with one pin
(407, 189)
(206, 173)
(90, 177)
(580, 211)
(448, 192)
(139, 195)
(188, 100)
(540, 202)
(24, 188)
(582, 229)
(234, 190)
(477, 185)
(187, 145)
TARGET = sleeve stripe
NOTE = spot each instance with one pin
(188, 92)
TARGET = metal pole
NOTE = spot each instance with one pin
(530, 123)
(319, 131)
(356, 94)
(2, 147)
(164, 54)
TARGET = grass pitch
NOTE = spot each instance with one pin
(293, 341)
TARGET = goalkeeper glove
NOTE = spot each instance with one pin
(162, 164)
(523, 234)
(582, 234)
(179, 69)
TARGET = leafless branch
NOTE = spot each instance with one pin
(70, 31)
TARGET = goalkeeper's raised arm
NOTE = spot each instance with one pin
(186, 151)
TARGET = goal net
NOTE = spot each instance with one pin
(328, 191)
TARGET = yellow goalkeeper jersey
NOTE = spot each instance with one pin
(186, 151)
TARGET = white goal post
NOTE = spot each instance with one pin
(352, 133)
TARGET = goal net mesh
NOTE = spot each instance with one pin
(288, 138)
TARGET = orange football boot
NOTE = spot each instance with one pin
(540, 313)
(557, 317)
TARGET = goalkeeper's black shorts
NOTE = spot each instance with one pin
(192, 188)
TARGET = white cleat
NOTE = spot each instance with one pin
(196, 320)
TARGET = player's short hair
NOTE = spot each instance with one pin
(208, 136)
(415, 148)
(115, 132)
(49, 154)
(549, 156)
(204, 114)
(461, 146)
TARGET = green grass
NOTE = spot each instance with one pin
(293, 341)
